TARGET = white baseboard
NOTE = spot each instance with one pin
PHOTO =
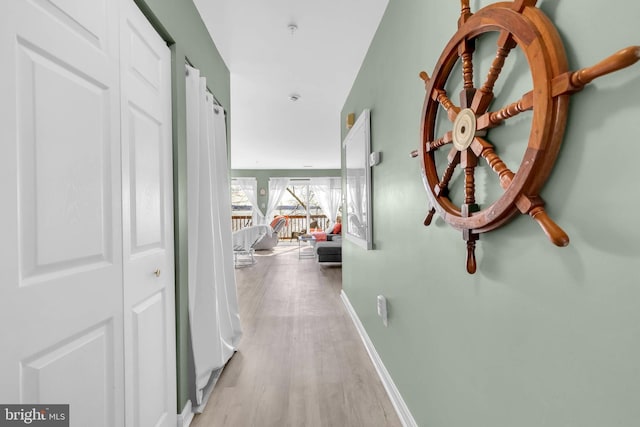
(185, 418)
(394, 394)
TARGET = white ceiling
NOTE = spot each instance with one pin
(268, 63)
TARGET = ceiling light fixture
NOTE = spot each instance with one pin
(293, 28)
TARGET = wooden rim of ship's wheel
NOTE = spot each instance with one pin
(518, 23)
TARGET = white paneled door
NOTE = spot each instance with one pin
(61, 315)
(86, 262)
(148, 223)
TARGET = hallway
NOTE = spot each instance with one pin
(301, 361)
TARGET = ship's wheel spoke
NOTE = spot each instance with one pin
(440, 95)
(482, 148)
(442, 188)
(443, 140)
(468, 163)
(452, 110)
(484, 95)
(495, 118)
(469, 186)
(465, 52)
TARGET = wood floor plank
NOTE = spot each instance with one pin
(300, 361)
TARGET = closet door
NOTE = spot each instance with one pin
(60, 222)
(150, 380)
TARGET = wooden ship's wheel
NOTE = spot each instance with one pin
(517, 24)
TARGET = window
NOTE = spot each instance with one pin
(241, 208)
(300, 205)
(240, 204)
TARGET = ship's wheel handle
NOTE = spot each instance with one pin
(572, 82)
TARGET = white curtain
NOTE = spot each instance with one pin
(213, 305)
(328, 193)
(277, 187)
(250, 188)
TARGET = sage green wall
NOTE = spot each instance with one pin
(539, 336)
(179, 23)
(262, 176)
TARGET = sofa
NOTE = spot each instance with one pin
(330, 250)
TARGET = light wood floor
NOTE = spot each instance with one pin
(301, 361)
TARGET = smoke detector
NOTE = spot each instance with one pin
(292, 27)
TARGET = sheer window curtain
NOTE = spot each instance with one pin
(328, 193)
(277, 187)
(250, 188)
(213, 307)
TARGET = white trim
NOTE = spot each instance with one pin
(186, 416)
(189, 411)
(394, 394)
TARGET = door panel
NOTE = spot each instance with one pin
(150, 383)
(86, 18)
(44, 376)
(149, 323)
(61, 261)
(146, 196)
(67, 216)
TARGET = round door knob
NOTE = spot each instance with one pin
(157, 272)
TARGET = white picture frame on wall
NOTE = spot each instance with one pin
(357, 148)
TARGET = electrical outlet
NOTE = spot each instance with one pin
(382, 309)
